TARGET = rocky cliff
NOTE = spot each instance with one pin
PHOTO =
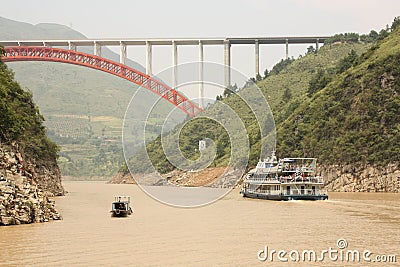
(29, 173)
(361, 178)
(26, 188)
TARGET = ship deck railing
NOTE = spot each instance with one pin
(294, 192)
(311, 192)
(126, 199)
(294, 169)
(283, 180)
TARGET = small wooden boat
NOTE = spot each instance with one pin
(121, 206)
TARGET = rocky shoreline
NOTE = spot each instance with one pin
(217, 177)
(121, 178)
(361, 178)
(347, 178)
(26, 189)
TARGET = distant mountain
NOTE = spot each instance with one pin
(12, 30)
(83, 108)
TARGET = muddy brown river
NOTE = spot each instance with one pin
(233, 231)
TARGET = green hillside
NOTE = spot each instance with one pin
(21, 122)
(286, 87)
(83, 108)
(291, 83)
(354, 118)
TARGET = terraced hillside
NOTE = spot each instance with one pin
(83, 108)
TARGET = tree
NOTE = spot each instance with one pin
(287, 95)
(311, 50)
(231, 89)
(373, 35)
(266, 73)
(351, 37)
(281, 65)
(382, 34)
(258, 77)
(347, 62)
(369, 38)
(318, 82)
(396, 23)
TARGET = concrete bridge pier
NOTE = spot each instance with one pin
(201, 75)
(46, 44)
(148, 58)
(122, 53)
(257, 55)
(71, 46)
(175, 65)
(227, 62)
(317, 45)
(97, 49)
(287, 48)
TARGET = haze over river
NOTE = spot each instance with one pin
(229, 232)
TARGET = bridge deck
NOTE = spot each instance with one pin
(169, 41)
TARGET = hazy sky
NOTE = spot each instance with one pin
(208, 18)
(161, 18)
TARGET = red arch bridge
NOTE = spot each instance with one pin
(29, 53)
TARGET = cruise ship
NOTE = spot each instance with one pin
(284, 179)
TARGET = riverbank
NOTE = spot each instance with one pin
(26, 189)
(347, 178)
(361, 178)
(121, 178)
(219, 177)
(25, 203)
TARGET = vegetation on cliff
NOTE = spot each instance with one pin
(21, 122)
(355, 117)
(29, 173)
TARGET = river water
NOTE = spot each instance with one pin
(229, 232)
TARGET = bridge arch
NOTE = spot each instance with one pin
(29, 53)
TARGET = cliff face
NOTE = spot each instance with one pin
(29, 174)
(362, 178)
(25, 189)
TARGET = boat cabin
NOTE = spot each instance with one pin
(121, 206)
